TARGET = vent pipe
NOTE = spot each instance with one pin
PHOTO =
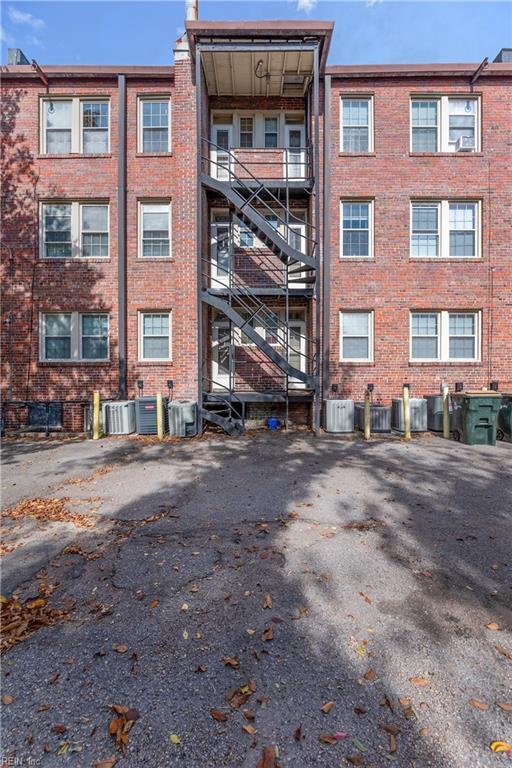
(191, 10)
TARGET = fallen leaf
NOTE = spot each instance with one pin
(500, 746)
(7, 699)
(231, 661)
(249, 729)
(221, 717)
(390, 728)
(358, 745)
(185, 634)
(200, 668)
(248, 714)
(59, 728)
(424, 731)
(326, 708)
(267, 634)
(479, 704)
(250, 631)
(365, 598)
(43, 708)
(53, 678)
(121, 648)
(154, 603)
(298, 733)
(419, 681)
(360, 710)
(392, 743)
(501, 649)
(108, 763)
(69, 661)
(505, 707)
(184, 607)
(120, 727)
(328, 738)
(355, 759)
(370, 675)
(493, 626)
(267, 759)
(174, 739)
(267, 601)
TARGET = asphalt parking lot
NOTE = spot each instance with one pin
(339, 602)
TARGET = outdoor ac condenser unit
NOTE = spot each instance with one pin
(183, 418)
(339, 415)
(465, 144)
(119, 417)
(418, 411)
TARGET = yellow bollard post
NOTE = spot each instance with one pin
(407, 412)
(446, 412)
(366, 415)
(159, 416)
(96, 416)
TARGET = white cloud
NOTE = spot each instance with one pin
(371, 3)
(35, 41)
(5, 37)
(306, 5)
(19, 17)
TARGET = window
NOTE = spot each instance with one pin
(154, 335)
(445, 229)
(246, 237)
(94, 127)
(425, 229)
(445, 124)
(356, 217)
(356, 125)
(425, 125)
(75, 125)
(246, 132)
(155, 227)
(74, 230)
(445, 336)
(57, 124)
(242, 338)
(356, 336)
(154, 125)
(74, 336)
(94, 231)
(271, 132)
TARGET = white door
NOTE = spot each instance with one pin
(222, 138)
(220, 354)
(297, 239)
(220, 251)
(297, 351)
(295, 152)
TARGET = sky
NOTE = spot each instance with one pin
(366, 31)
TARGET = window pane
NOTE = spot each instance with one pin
(94, 337)
(155, 230)
(94, 325)
(156, 325)
(57, 325)
(424, 113)
(95, 245)
(355, 348)
(58, 114)
(355, 112)
(424, 348)
(156, 348)
(355, 323)
(355, 139)
(462, 216)
(58, 142)
(462, 348)
(424, 218)
(95, 217)
(270, 132)
(95, 114)
(155, 140)
(155, 114)
(57, 336)
(57, 349)
(246, 132)
(462, 325)
(425, 223)
(462, 229)
(94, 349)
(57, 230)
(424, 324)
(95, 141)
(424, 139)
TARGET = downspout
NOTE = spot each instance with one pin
(121, 235)
(318, 287)
(199, 235)
(326, 250)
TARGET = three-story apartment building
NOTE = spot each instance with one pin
(254, 228)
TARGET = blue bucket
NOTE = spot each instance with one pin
(273, 423)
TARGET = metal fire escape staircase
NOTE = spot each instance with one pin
(249, 198)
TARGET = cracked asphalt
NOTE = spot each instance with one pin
(384, 561)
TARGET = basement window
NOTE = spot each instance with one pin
(154, 125)
(75, 125)
(74, 230)
(74, 337)
(445, 336)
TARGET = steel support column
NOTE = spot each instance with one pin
(199, 237)
(318, 291)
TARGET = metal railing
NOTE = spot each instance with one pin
(225, 400)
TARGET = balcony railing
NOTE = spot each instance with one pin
(286, 165)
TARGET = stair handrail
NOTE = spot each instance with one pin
(232, 175)
(232, 396)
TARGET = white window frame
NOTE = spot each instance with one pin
(141, 204)
(76, 337)
(358, 97)
(76, 124)
(371, 229)
(141, 100)
(443, 335)
(443, 122)
(76, 230)
(140, 324)
(371, 322)
(444, 230)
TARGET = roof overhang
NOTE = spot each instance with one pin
(274, 58)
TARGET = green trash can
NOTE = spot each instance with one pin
(478, 416)
(505, 418)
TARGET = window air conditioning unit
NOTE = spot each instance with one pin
(465, 144)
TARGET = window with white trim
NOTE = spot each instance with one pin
(356, 229)
(74, 230)
(155, 230)
(445, 124)
(155, 336)
(246, 132)
(75, 125)
(446, 336)
(271, 132)
(356, 336)
(154, 124)
(446, 229)
(74, 337)
(356, 124)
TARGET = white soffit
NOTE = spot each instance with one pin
(257, 73)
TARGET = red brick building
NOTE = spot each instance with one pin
(254, 226)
